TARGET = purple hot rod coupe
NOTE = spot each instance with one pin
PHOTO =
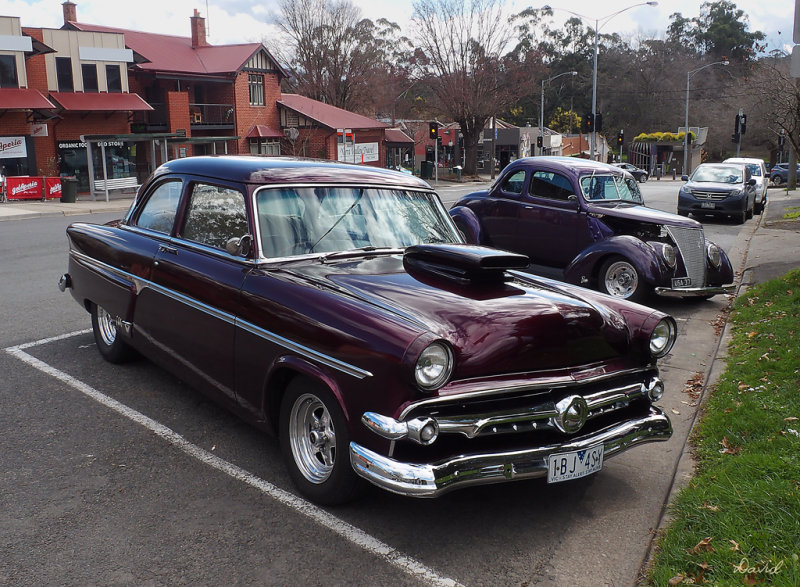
(585, 222)
(337, 307)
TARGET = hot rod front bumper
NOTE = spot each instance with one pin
(432, 480)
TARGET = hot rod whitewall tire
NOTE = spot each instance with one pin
(111, 346)
(619, 278)
(315, 443)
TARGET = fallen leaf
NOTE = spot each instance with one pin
(676, 580)
(752, 334)
(713, 508)
(752, 579)
(703, 546)
(790, 419)
(676, 412)
(727, 448)
(735, 547)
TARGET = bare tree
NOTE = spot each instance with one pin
(460, 46)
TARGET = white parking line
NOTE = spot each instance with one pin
(356, 536)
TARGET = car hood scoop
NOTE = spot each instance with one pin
(463, 264)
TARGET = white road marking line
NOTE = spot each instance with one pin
(347, 531)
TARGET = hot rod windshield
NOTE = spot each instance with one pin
(610, 187)
(307, 220)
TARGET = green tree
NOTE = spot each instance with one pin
(565, 121)
(720, 31)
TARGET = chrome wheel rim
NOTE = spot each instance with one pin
(621, 279)
(312, 438)
(107, 326)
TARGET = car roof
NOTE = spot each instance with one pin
(744, 160)
(572, 164)
(283, 170)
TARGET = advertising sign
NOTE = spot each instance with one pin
(52, 187)
(358, 152)
(12, 147)
(24, 188)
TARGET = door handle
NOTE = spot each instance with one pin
(166, 249)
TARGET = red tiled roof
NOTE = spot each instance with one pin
(176, 54)
(262, 131)
(23, 99)
(89, 102)
(395, 135)
(327, 115)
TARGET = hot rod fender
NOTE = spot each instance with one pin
(467, 222)
(722, 275)
(644, 258)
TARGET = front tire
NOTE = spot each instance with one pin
(619, 278)
(112, 348)
(315, 443)
(777, 180)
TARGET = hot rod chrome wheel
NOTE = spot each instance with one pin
(619, 278)
(313, 438)
(107, 337)
(315, 441)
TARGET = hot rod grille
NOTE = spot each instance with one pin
(691, 243)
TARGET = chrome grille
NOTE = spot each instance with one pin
(700, 195)
(691, 243)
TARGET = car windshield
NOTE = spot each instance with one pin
(304, 220)
(610, 187)
(755, 169)
(717, 174)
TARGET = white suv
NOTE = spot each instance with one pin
(759, 172)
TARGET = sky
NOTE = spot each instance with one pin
(244, 21)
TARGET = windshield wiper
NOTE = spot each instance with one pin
(368, 250)
(341, 217)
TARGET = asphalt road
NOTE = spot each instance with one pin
(123, 475)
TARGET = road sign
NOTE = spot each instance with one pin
(794, 65)
(796, 36)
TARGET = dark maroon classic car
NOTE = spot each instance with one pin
(336, 306)
(587, 221)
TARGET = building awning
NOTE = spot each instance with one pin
(262, 131)
(100, 102)
(23, 99)
(395, 136)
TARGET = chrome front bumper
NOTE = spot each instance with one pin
(694, 291)
(432, 480)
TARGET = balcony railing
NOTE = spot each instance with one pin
(218, 116)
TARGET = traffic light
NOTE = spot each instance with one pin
(539, 141)
(735, 137)
(433, 131)
(620, 137)
(588, 123)
(743, 124)
(598, 122)
(736, 126)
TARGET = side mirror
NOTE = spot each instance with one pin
(751, 181)
(239, 246)
(684, 178)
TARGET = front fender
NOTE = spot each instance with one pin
(583, 269)
(724, 274)
(468, 223)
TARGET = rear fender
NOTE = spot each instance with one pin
(584, 268)
(468, 223)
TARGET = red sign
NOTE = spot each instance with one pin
(24, 188)
(52, 187)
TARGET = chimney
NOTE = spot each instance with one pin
(198, 30)
(70, 12)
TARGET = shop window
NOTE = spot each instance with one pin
(8, 72)
(256, 89)
(64, 74)
(114, 78)
(89, 74)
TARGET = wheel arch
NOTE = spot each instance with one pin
(586, 265)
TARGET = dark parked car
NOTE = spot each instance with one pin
(586, 221)
(719, 189)
(638, 174)
(336, 305)
(780, 173)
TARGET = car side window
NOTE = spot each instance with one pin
(214, 215)
(158, 212)
(513, 183)
(553, 186)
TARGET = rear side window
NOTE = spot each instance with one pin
(158, 213)
(214, 215)
(546, 184)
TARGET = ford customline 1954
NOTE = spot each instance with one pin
(337, 307)
(586, 223)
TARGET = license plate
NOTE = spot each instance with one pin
(576, 464)
(681, 281)
(707, 205)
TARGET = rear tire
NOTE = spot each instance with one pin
(315, 443)
(777, 180)
(112, 348)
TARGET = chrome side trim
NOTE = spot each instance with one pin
(435, 479)
(140, 284)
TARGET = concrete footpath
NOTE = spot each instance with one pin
(22, 209)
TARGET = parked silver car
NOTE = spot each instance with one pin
(759, 172)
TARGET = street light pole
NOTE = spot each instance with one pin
(597, 27)
(541, 108)
(689, 75)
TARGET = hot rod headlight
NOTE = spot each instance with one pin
(662, 338)
(434, 366)
(668, 251)
(713, 254)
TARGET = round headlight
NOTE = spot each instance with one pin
(714, 256)
(434, 366)
(669, 255)
(662, 338)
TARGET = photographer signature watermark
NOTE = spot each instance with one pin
(767, 568)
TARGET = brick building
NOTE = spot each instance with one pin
(141, 98)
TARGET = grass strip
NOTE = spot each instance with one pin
(737, 522)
